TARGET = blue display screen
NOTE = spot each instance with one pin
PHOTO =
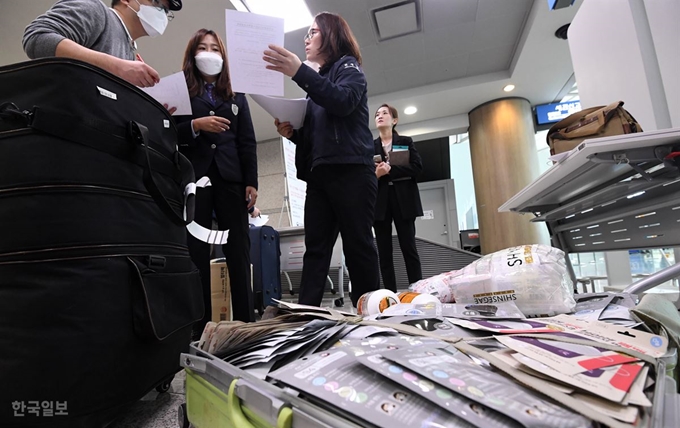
(551, 113)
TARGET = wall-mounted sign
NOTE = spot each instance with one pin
(297, 189)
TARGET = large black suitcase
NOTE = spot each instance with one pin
(265, 256)
(97, 289)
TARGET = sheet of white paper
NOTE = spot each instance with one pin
(215, 237)
(259, 221)
(559, 157)
(285, 110)
(248, 36)
(172, 90)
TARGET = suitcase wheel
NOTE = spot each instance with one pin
(165, 385)
(182, 418)
(339, 302)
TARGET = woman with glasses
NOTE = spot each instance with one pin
(105, 37)
(398, 197)
(220, 142)
(334, 155)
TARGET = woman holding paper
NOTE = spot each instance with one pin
(220, 142)
(397, 166)
(333, 155)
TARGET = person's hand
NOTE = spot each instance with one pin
(251, 196)
(136, 72)
(282, 60)
(285, 129)
(171, 110)
(214, 124)
(255, 213)
(383, 168)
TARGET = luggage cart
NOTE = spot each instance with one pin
(615, 193)
(612, 193)
(219, 395)
(292, 252)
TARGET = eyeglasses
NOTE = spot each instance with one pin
(158, 5)
(311, 33)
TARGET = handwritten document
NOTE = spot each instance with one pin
(172, 90)
(248, 36)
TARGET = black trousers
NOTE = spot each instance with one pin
(406, 234)
(340, 198)
(228, 201)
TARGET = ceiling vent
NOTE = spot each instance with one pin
(398, 19)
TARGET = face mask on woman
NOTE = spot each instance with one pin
(154, 20)
(209, 63)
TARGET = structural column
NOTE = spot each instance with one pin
(504, 161)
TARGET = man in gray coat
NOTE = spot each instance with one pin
(105, 37)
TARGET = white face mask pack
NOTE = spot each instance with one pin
(209, 63)
(154, 20)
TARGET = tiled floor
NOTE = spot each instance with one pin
(160, 410)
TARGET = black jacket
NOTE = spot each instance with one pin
(402, 178)
(335, 130)
(234, 150)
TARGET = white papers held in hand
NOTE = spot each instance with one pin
(172, 90)
(258, 221)
(285, 110)
(248, 36)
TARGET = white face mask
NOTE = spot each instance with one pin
(154, 21)
(209, 63)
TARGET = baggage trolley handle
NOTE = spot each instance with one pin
(193, 362)
(260, 402)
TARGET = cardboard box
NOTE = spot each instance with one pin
(220, 291)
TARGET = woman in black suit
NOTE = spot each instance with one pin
(220, 142)
(398, 197)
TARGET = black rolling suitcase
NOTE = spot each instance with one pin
(265, 256)
(97, 289)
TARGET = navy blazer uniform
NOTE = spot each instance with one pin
(234, 151)
(229, 159)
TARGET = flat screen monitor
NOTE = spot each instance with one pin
(436, 159)
(551, 113)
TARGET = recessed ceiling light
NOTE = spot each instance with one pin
(509, 88)
(410, 110)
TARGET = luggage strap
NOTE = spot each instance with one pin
(99, 135)
(140, 133)
(115, 140)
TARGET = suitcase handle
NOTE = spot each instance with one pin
(91, 132)
(140, 133)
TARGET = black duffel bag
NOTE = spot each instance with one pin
(97, 289)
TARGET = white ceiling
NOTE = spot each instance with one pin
(467, 51)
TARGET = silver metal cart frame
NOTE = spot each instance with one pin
(613, 193)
